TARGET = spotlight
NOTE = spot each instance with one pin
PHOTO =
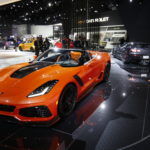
(49, 4)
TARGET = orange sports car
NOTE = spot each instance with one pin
(48, 88)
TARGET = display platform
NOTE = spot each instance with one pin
(10, 57)
(114, 116)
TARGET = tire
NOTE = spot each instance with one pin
(20, 48)
(5, 47)
(107, 72)
(144, 62)
(31, 49)
(67, 101)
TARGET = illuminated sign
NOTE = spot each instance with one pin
(103, 19)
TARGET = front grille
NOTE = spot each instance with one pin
(7, 108)
(38, 111)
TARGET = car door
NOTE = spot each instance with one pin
(28, 45)
(88, 74)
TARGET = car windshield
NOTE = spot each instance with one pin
(66, 58)
(142, 45)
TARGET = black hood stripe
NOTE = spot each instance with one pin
(21, 73)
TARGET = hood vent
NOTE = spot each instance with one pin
(23, 72)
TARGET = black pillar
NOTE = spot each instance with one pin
(66, 17)
(28, 29)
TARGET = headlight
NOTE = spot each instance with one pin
(43, 89)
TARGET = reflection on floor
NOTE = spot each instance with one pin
(114, 116)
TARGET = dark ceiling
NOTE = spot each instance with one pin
(49, 11)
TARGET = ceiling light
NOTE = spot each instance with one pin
(49, 4)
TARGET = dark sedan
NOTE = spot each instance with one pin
(133, 52)
(9, 44)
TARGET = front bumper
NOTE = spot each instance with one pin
(139, 57)
(27, 113)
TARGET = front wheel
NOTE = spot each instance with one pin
(5, 47)
(67, 100)
(107, 72)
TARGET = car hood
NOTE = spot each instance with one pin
(20, 80)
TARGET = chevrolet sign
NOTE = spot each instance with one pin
(104, 19)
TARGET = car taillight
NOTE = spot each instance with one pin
(135, 50)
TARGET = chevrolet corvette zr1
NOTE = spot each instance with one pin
(50, 86)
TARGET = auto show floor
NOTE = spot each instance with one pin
(10, 57)
(114, 116)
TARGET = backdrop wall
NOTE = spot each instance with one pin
(44, 30)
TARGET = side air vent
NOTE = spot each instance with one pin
(78, 79)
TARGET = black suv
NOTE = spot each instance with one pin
(133, 52)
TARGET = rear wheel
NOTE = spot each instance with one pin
(20, 48)
(107, 72)
(67, 100)
(31, 49)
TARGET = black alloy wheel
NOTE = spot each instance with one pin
(107, 72)
(67, 100)
(20, 48)
(31, 49)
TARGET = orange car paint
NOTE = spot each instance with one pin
(15, 91)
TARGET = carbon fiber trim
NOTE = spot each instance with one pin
(79, 80)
